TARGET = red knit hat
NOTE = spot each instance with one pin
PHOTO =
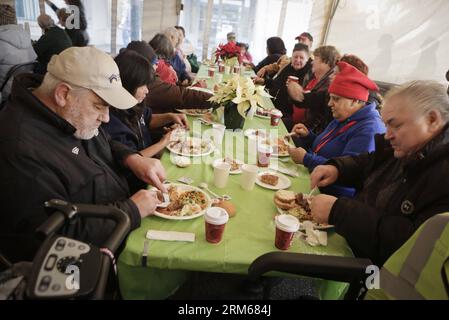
(351, 83)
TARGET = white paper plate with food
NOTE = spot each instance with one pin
(263, 113)
(236, 165)
(273, 180)
(201, 89)
(280, 147)
(195, 112)
(191, 147)
(297, 205)
(186, 202)
(257, 133)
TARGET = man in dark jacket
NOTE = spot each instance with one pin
(51, 147)
(53, 41)
(401, 184)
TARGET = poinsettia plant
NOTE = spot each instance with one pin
(228, 51)
(243, 93)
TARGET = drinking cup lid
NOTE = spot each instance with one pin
(287, 223)
(216, 215)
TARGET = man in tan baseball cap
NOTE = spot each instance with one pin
(52, 147)
(93, 69)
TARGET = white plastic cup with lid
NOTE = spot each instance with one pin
(286, 227)
(221, 174)
(249, 176)
(215, 221)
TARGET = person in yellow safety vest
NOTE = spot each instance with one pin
(420, 268)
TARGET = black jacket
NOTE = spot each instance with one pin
(53, 41)
(278, 89)
(40, 159)
(395, 196)
(318, 114)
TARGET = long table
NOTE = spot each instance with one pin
(247, 235)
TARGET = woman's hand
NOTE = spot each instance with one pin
(322, 176)
(165, 140)
(262, 72)
(180, 119)
(258, 80)
(295, 91)
(297, 154)
(300, 130)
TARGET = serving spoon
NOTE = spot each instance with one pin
(204, 186)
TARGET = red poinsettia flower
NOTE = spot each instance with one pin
(227, 51)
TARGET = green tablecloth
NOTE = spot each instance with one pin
(247, 236)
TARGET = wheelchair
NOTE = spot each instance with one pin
(65, 268)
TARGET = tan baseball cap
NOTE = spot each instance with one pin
(91, 68)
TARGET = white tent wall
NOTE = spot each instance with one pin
(318, 20)
(400, 40)
(157, 16)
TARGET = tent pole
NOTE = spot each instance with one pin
(332, 12)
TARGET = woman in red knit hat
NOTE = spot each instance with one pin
(352, 131)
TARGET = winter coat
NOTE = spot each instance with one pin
(395, 196)
(164, 97)
(15, 48)
(53, 41)
(351, 137)
(41, 159)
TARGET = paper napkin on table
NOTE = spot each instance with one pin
(314, 237)
(170, 235)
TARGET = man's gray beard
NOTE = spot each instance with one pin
(86, 136)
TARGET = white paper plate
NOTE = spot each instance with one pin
(201, 89)
(283, 183)
(183, 187)
(316, 226)
(218, 161)
(191, 112)
(209, 150)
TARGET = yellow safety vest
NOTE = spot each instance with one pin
(419, 269)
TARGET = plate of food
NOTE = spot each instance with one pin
(273, 180)
(186, 202)
(257, 133)
(206, 90)
(191, 147)
(280, 147)
(263, 113)
(297, 205)
(195, 112)
(236, 165)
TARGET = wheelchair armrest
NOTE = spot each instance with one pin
(344, 269)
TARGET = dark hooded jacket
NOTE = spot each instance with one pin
(394, 196)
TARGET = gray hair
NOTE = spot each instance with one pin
(172, 32)
(50, 83)
(424, 96)
(45, 21)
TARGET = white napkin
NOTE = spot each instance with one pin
(314, 237)
(170, 235)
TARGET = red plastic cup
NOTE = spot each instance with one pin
(286, 227)
(215, 221)
(276, 116)
(264, 152)
(211, 72)
(293, 78)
